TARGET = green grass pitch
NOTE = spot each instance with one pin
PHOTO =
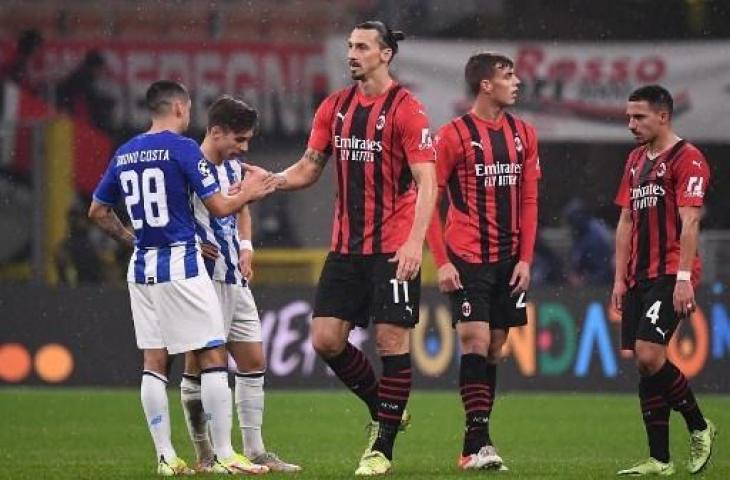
(92, 434)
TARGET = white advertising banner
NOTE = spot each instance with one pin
(571, 91)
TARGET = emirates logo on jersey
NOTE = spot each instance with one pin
(354, 149)
(646, 196)
(466, 309)
(498, 174)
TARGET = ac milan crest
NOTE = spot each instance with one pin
(466, 309)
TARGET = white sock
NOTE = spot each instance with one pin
(156, 411)
(250, 408)
(195, 418)
(216, 397)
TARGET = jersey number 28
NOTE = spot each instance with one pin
(151, 191)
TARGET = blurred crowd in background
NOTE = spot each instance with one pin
(576, 241)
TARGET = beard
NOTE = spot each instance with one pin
(357, 75)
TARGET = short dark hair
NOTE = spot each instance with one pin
(232, 114)
(656, 96)
(388, 38)
(162, 93)
(482, 66)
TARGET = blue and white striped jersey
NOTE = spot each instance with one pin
(155, 174)
(221, 232)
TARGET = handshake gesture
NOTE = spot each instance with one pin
(257, 182)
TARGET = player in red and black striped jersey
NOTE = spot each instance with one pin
(657, 267)
(379, 137)
(488, 161)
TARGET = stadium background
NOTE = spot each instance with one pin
(64, 313)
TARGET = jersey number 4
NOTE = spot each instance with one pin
(150, 190)
(653, 312)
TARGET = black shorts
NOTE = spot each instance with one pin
(648, 312)
(487, 295)
(362, 289)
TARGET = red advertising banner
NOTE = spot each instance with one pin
(285, 82)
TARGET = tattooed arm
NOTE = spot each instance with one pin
(303, 173)
(105, 218)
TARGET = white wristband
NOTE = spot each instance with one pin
(245, 245)
(684, 276)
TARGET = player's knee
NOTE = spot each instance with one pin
(191, 364)
(494, 352)
(212, 357)
(326, 344)
(474, 345)
(473, 337)
(155, 361)
(256, 365)
(391, 342)
(649, 360)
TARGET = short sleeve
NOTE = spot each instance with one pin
(415, 133)
(197, 169)
(107, 192)
(692, 177)
(533, 171)
(623, 198)
(320, 138)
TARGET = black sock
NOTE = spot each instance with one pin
(477, 400)
(393, 391)
(655, 412)
(492, 384)
(679, 396)
(354, 369)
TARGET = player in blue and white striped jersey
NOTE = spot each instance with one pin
(174, 305)
(222, 232)
(228, 250)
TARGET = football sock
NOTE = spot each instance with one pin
(250, 408)
(655, 412)
(216, 398)
(477, 400)
(354, 369)
(393, 391)
(154, 403)
(492, 384)
(195, 417)
(679, 396)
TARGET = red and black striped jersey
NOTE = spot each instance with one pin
(654, 189)
(491, 170)
(374, 141)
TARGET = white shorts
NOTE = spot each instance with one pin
(240, 315)
(180, 315)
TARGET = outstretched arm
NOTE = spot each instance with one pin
(303, 173)
(257, 184)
